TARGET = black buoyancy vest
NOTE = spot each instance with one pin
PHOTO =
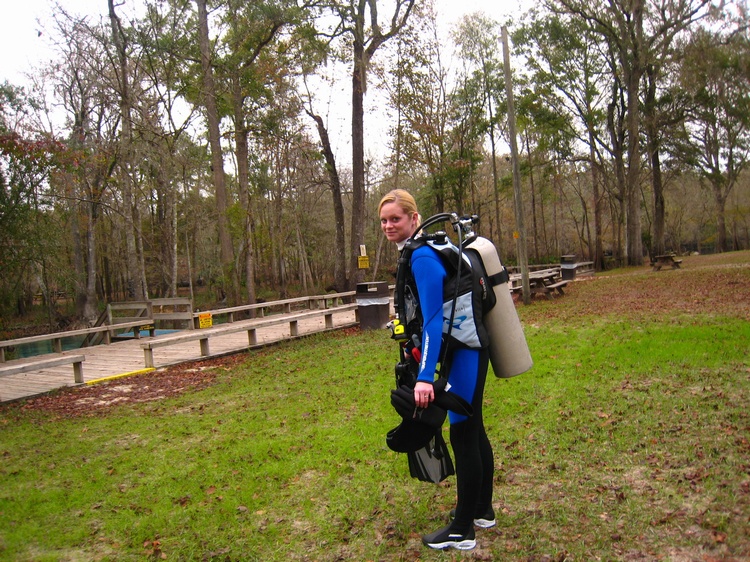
(467, 293)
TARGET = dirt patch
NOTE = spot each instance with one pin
(641, 294)
(96, 399)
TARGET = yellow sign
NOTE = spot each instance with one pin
(205, 320)
(516, 234)
(363, 262)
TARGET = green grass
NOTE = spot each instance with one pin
(627, 440)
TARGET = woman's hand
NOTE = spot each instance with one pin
(423, 394)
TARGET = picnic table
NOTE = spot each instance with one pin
(657, 262)
(545, 282)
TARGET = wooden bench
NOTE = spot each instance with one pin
(542, 282)
(549, 290)
(658, 262)
(559, 286)
(250, 327)
(57, 337)
(25, 366)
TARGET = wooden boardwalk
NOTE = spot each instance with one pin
(126, 357)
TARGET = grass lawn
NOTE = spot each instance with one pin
(628, 440)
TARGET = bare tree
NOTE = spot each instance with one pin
(79, 81)
(361, 22)
(637, 32)
(136, 276)
(715, 74)
(334, 181)
(230, 280)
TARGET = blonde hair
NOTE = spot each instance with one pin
(403, 199)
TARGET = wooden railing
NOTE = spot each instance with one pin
(261, 308)
(108, 332)
(18, 367)
(203, 336)
(146, 314)
(155, 311)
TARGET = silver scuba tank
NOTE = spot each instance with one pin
(509, 352)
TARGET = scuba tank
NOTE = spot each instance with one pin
(500, 325)
(509, 353)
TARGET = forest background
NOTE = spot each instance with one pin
(195, 156)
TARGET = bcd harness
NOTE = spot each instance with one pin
(467, 296)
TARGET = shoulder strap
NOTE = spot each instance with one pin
(403, 266)
(499, 278)
(403, 272)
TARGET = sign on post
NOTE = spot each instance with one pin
(363, 260)
(205, 320)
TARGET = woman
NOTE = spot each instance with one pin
(399, 219)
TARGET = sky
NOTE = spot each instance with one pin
(25, 45)
(23, 42)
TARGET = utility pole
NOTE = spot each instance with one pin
(520, 233)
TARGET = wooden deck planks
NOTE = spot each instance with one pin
(123, 357)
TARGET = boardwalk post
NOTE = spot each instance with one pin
(78, 372)
(148, 357)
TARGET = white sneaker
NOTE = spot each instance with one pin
(444, 538)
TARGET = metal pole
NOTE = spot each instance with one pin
(520, 233)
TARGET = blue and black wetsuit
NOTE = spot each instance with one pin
(468, 371)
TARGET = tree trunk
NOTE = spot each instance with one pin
(230, 283)
(631, 61)
(598, 257)
(89, 309)
(79, 261)
(174, 246)
(652, 135)
(243, 179)
(358, 161)
(720, 199)
(614, 124)
(339, 264)
(136, 289)
(634, 244)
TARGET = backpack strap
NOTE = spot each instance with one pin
(499, 278)
(403, 273)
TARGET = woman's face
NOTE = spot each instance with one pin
(396, 223)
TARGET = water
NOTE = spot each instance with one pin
(68, 343)
(42, 347)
